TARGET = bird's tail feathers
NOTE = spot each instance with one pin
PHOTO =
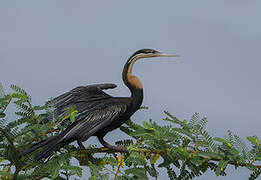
(37, 145)
(49, 145)
(49, 149)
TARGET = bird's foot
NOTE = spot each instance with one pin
(116, 148)
(80, 144)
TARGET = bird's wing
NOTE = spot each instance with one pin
(93, 120)
(96, 109)
(83, 97)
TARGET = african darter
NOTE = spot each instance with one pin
(98, 112)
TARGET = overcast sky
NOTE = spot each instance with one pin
(49, 47)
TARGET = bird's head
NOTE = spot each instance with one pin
(143, 53)
(147, 53)
(131, 80)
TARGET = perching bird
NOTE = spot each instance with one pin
(98, 112)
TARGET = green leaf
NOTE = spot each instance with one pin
(92, 178)
(255, 174)
(2, 115)
(55, 171)
(125, 142)
(258, 157)
(142, 132)
(73, 115)
(2, 159)
(74, 169)
(139, 173)
(254, 140)
(144, 107)
(221, 167)
(184, 131)
(171, 173)
(220, 140)
(146, 124)
(154, 158)
(223, 141)
(39, 107)
(174, 119)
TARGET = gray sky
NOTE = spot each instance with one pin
(49, 47)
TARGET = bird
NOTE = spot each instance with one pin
(98, 112)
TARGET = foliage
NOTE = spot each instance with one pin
(184, 149)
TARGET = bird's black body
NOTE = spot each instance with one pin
(98, 112)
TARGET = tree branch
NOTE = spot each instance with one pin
(159, 151)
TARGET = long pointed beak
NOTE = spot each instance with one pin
(167, 55)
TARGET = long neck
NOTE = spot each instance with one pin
(133, 82)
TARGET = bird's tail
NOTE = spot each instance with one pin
(49, 145)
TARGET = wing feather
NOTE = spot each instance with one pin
(96, 110)
(94, 121)
(83, 97)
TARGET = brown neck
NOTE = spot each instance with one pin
(131, 81)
